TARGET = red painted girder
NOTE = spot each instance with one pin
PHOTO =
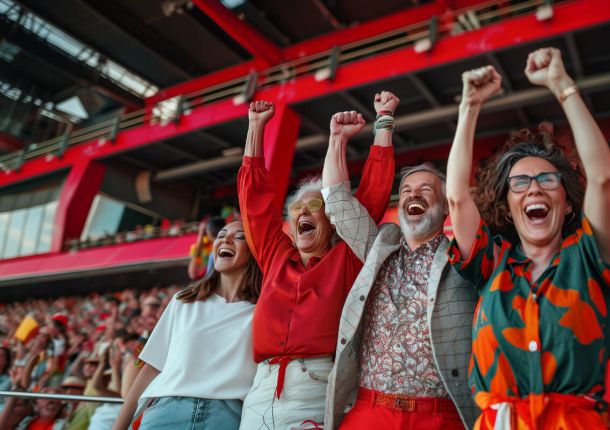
(515, 31)
(77, 193)
(568, 17)
(202, 117)
(151, 252)
(319, 44)
(280, 141)
(207, 81)
(376, 27)
(244, 34)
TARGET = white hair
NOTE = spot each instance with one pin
(307, 185)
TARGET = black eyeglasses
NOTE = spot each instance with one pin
(546, 180)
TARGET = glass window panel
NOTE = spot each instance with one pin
(46, 231)
(31, 231)
(104, 218)
(15, 231)
(4, 219)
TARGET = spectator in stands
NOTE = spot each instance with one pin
(5, 377)
(82, 412)
(57, 350)
(202, 259)
(307, 275)
(107, 413)
(199, 357)
(537, 246)
(46, 414)
(20, 408)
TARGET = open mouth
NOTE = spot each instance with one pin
(306, 228)
(415, 208)
(226, 253)
(537, 211)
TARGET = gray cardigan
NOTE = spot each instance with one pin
(451, 303)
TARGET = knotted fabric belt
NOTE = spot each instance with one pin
(398, 402)
(533, 405)
(281, 375)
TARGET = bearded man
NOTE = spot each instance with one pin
(406, 328)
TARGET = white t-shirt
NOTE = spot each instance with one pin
(203, 349)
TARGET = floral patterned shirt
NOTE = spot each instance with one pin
(396, 354)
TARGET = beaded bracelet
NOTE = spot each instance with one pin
(384, 122)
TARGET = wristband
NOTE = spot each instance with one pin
(571, 90)
(383, 112)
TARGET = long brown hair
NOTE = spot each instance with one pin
(492, 183)
(249, 287)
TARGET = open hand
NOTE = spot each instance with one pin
(346, 124)
(260, 112)
(480, 84)
(386, 101)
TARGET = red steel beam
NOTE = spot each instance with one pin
(376, 27)
(107, 259)
(253, 41)
(206, 81)
(77, 193)
(319, 44)
(568, 17)
(280, 142)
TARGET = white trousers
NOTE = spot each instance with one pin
(302, 398)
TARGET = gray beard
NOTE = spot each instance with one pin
(416, 230)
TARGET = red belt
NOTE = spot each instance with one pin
(430, 405)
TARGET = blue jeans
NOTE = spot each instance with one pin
(188, 413)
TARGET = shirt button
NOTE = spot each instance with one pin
(533, 346)
(343, 341)
(455, 373)
(281, 342)
(534, 296)
(362, 298)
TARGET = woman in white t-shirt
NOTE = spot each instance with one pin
(199, 364)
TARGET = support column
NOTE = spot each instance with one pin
(280, 142)
(81, 186)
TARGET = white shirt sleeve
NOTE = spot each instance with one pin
(59, 346)
(157, 346)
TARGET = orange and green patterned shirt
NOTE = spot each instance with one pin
(543, 335)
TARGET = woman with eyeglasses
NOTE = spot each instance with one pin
(198, 359)
(536, 241)
(307, 273)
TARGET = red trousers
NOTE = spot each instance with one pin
(367, 414)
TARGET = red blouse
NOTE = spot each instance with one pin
(298, 312)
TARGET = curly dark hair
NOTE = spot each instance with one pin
(492, 177)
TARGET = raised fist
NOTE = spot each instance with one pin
(480, 84)
(386, 101)
(545, 67)
(346, 124)
(260, 112)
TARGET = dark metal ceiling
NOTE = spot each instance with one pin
(166, 48)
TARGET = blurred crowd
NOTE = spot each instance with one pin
(73, 345)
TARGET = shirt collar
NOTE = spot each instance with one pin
(517, 256)
(432, 243)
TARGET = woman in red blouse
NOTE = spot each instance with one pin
(306, 274)
(540, 331)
